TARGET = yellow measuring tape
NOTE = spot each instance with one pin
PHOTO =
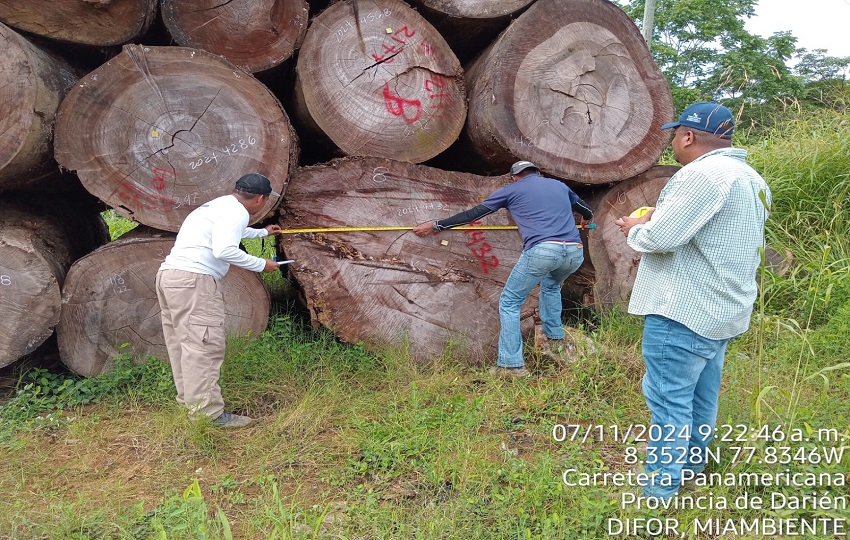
(461, 227)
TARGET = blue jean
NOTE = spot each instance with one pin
(547, 264)
(681, 387)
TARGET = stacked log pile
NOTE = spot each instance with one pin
(426, 106)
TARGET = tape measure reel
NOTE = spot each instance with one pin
(640, 212)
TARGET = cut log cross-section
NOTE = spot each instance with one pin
(469, 25)
(391, 287)
(32, 84)
(37, 247)
(380, 81)
(614, 262)
(256, 35)
(88, 22)
(572, 87)
(109, 300)
(157, 131)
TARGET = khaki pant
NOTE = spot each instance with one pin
(192, 309)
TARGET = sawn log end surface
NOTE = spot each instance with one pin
(157, 131)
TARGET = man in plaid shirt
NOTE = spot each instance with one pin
(695, 286)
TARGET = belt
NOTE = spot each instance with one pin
(561, 242)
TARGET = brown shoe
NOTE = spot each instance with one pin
(517, 372)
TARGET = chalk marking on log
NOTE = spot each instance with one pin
(461, 227)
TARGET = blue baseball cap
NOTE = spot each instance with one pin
(706, 116)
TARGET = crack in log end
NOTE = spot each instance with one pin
(211, 8)
(385, 60)
(356, 8)
(409, 301)
(129, 212)
(141, 62)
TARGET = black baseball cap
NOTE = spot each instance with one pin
(255, 184)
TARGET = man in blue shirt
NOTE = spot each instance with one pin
(542, 208)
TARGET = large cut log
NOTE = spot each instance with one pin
(37, 246)
(380, 81)
(256, 35)
(392, 287)
(32, 84)
(572, 87)
(88, 22)
(469, 25)
(614, 262)
(109, 300)
(158, 131)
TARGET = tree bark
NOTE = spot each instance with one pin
(572, 87)
(431, 294)
(614, 262)
(37, 246)
(380, 81)
(88, 22)
(157, 131)
(32, 84)
(256, 35)
(109, 299)
(469, 25)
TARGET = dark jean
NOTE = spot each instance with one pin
(681, 387)
(547, 264)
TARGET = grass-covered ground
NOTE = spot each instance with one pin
(356, 444)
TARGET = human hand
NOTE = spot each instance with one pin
(271, 265)
(625, 223)
(424, 229)
(273, 229)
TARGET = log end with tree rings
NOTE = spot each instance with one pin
(432, 295)
(87, 22)
(572, 87)
(158, 131)
(110, 307)
(256, 35)
(37, 246)
(32, 85)
(475, 9)
(614, 262)
(380, 81)
(30, 295)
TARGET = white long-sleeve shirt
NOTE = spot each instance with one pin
(208, 240)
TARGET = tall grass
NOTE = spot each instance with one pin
(806, 161)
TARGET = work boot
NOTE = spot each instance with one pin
(517, 372)
(228, 420)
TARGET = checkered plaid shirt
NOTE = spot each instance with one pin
(700, 249)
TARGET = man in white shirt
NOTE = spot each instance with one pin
(696, 285)
(189, 293)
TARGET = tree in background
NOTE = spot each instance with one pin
(706, 53)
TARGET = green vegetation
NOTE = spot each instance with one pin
(358, 444)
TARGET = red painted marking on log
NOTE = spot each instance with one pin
(477, 237)
(396, 105)
(158, 181)
(388, 50)
(427, 50)
(129, 192)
